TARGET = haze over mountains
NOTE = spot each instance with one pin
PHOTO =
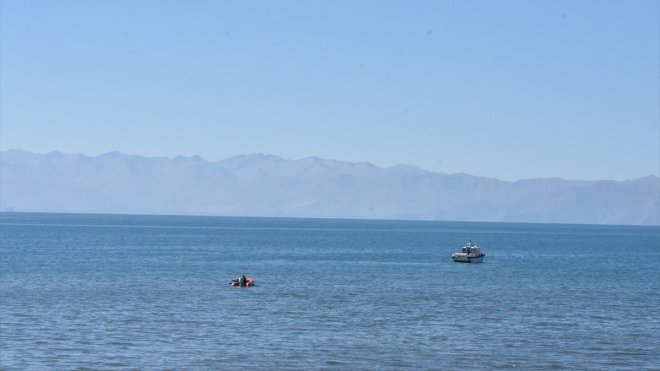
(266, 185)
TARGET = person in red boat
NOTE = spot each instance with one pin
(242, 281)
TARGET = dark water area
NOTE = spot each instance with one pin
(151, 292)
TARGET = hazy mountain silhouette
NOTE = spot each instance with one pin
(266, 185)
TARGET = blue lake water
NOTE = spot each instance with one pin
(151, 292)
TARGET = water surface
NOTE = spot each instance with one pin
(126, 291)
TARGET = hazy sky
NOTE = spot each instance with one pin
(505, 89)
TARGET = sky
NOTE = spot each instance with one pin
(503, 89)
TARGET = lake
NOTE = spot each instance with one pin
(151, 292)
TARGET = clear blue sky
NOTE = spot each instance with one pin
(504, 89)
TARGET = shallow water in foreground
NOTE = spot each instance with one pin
(120, 291)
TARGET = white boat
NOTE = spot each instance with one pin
(470, 253)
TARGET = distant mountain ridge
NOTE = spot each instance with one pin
(268, 185)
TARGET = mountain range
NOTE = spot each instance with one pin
(268, 185)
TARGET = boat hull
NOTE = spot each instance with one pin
(463, 258)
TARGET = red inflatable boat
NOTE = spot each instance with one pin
(249, 281)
